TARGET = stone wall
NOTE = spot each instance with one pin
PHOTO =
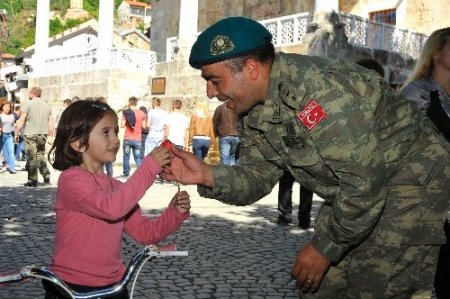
(116, 85)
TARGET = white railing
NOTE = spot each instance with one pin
(374, 35)
(291, 30)
(123, 59)
(288, 30)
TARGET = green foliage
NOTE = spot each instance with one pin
(21, 21)
(60, 5)
(14, 6)
(56, 26)
(70, 23)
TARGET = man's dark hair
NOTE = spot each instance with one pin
(133, 101)
(265, 54)
(371, 64)
(176, 104)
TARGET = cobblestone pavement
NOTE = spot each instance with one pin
(234, 252)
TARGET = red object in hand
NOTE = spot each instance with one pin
(167, 144)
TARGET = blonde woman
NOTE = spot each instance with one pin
(429, 87)
(201, 130)
(429, 83)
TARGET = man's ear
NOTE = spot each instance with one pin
(76, 146)
(251, 69)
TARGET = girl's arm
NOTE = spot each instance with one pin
(146, 230)
(92, 194)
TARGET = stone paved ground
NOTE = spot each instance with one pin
(234, 252)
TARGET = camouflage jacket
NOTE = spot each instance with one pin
(345, 135)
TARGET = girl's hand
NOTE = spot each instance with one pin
(161, 155)
(182, 202)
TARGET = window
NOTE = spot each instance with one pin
(137, 11)
(384, 16)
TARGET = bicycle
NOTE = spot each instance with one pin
(134, 266)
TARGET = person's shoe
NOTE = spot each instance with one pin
(47, 181)
(283, 220)
(11, 171)
(304, 224)
(30, 184)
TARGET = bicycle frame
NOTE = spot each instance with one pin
(147, 253)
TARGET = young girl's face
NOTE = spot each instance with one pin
(103, 142)
(6, 108)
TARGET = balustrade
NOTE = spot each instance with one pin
(291, 30)
(124, 59)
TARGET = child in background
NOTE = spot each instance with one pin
(93, 210)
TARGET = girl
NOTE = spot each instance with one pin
(92, 209)
(7, 137)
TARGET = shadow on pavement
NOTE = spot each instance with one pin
(227, 259)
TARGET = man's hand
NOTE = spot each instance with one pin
(309, 268)
(186, 168)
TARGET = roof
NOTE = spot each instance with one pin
(7, 56)
(137, 3)
(90, 27)
(138, 32)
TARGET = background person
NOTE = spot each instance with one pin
(343, 133)
(133, 120)
(7, 121)
(144, 132)
(37, 119)
(201, 131)
(92, 209)
(156, 120)
(428, 86)
(19, 145)
(285, 185)
(371, 64)
(225, 123)
(177, 126)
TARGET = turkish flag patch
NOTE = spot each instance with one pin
(311, 115)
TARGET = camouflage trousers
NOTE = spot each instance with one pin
(388, 271)
(35, 150)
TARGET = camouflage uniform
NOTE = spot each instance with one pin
(374, 158)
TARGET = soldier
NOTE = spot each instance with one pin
(381, 168)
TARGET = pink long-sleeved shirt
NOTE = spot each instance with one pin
(92, 212)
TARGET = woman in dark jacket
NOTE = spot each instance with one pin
(429, 87)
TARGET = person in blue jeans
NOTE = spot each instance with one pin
(201, 132)
(225, 123)
(132, 137)
(7, 136)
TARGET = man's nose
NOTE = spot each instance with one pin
(211, 90)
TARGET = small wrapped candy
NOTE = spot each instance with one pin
(167, 144)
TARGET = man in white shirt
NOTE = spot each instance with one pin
(177, 126)
(156, 122)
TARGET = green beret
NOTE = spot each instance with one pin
(228, 38)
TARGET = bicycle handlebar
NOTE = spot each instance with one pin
(148, 252)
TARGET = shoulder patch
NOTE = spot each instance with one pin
(311, 115)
